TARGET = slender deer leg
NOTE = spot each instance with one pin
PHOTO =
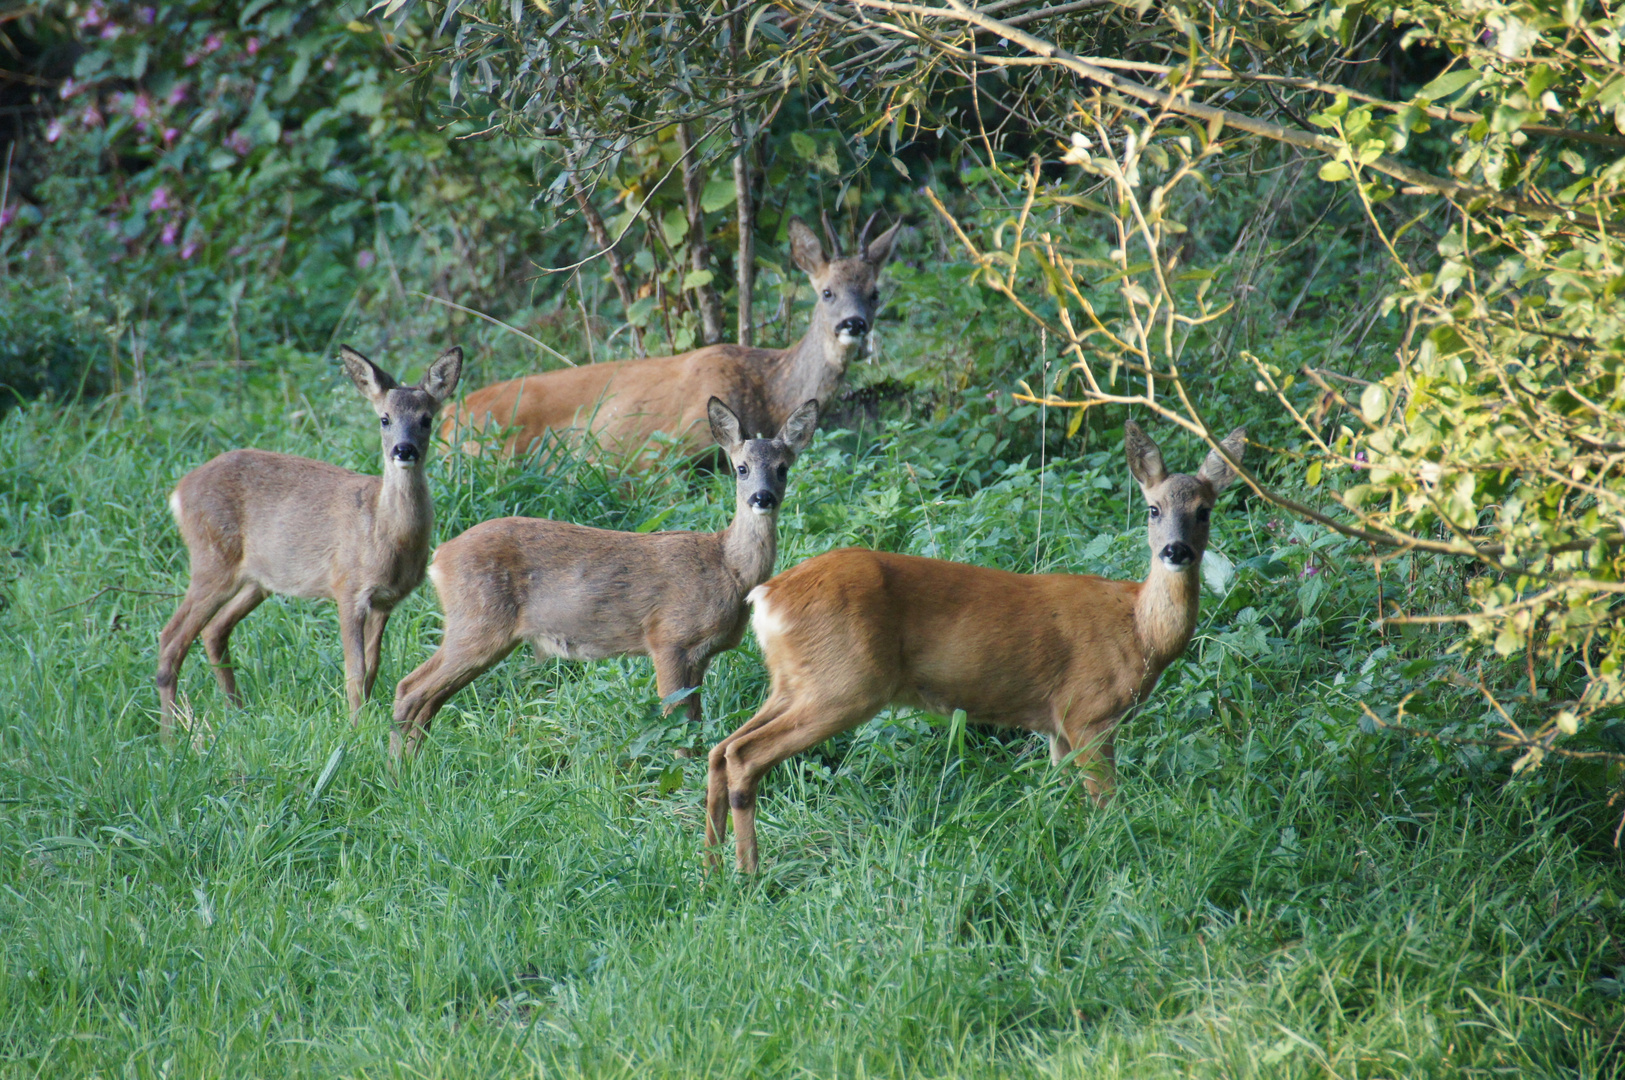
(716, 781)
(673, 672)
(748, 757)
(353, 614)
(217, 637)
(420, 695)
(372, 648)
(203, 598)
(1059, 748)
(1098, 759)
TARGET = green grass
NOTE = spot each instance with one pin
(1273, 893)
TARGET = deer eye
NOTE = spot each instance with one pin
(784, 470)
(384, 420)
(744, 470)
(1155, 512)
(828, 295)
(874, 297)
(1203, 514)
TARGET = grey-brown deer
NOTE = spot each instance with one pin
(1069, 656)
(623, 403)
(257, 523)
(586, 594)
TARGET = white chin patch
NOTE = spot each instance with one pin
(760, 510)
(849, 340)
(1177, 567)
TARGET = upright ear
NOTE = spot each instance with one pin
(373, 381)
(1217, 471)
(1144, 459)
(724, 424)
(440, 381)
(805, 249)
(879, 251)
(798, 429)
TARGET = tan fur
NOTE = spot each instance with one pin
(587, 594)
(257, 523)
(624, 403)
(1069, 656)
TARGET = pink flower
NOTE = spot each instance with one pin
(237, 143)
(68, 90)
(159, 200)
(170, 135)
(177, 93)
(212, 43)
(189, 249)
(149, 15)
(1359, 460)
(7, 215)
(1309, 570)
(365, 259)
(190, 61)
(167, 237)
(53, 131)
(141, 107)
(92, 18)
(92, 117)
(253, 46)
(111, 31)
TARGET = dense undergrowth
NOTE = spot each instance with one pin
(1274, 893)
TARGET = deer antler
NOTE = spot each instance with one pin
(829, 235)
(863, 235)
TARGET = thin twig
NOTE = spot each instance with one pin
(112, 588)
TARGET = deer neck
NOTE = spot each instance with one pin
(404, 506)
(750, 545)
(811, 368)
(1165, 613)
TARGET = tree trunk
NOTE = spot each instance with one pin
(699, 252)
(601, 237)
(744, 204)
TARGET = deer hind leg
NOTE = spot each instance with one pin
(204, 596)
(748, 755)
(217, 636)
(716, 780)
(419, 696)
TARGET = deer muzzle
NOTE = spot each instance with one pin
(763, 502)
(1177, 556)
(851, 331)
(405, 454)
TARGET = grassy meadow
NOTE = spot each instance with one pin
(1274, 893)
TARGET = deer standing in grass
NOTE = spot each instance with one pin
(587, 594)
(849, 632)
(623, 403)
(257, 523)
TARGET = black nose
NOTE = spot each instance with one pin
(766, 500)
(857, 326)
(1179, 555)
(404, 452)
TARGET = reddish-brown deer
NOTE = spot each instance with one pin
(847, 633)
(623, 403)
(587, 594)
(257, 523)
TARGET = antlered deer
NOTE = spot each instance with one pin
(849, 632)
(624, 402)
(587, 594)
(257, 523)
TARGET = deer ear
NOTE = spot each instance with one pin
(1144, 459)
(440, 381)
(879, 251)
(1217, 471)
(805, 249)
(373, 381)
(724, 424)
(799, 428)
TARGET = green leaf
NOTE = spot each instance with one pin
(1313, 476)
(1374, 403)
(805, 146)
(1334, 171)
(1448, 84)
(718, 194)
(696, 279)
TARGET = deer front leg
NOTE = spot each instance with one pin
(353, 635)
(1098, 759)
(674, 672)
(372, 648)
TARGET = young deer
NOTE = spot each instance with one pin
(257, 523)
(587, 594)
(849, 632)
(622, 403)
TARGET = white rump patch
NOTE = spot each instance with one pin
(762, 618)
(434, 571)
(175, 503)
